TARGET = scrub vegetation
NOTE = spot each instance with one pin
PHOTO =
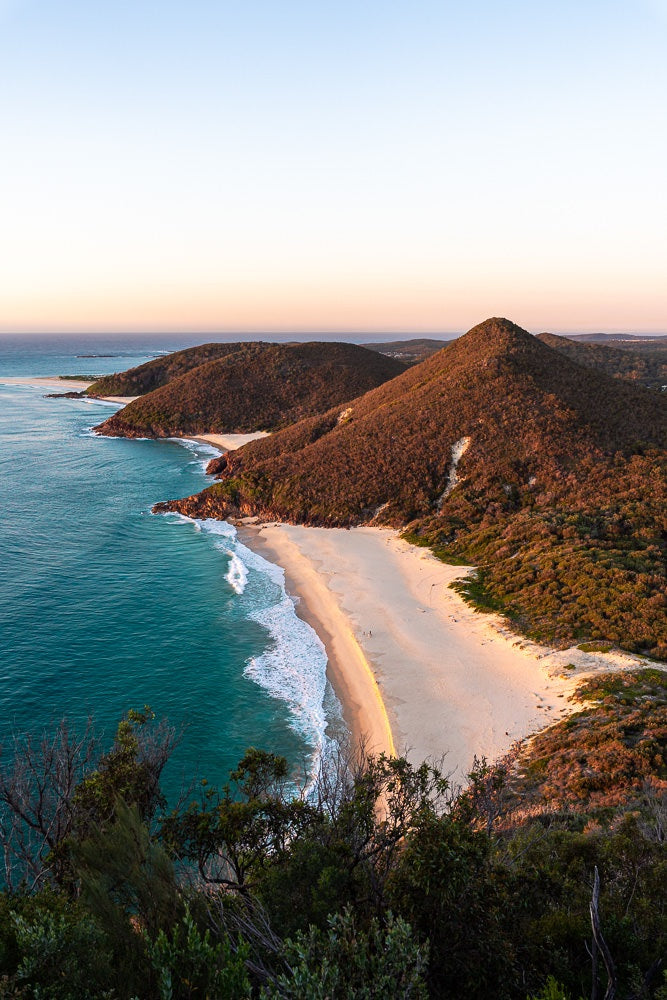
(383, 881)
(560, 495)
(642, 363)
(252, 387)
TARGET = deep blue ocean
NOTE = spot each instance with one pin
(106, 607)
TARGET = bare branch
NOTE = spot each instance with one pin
(600, 942)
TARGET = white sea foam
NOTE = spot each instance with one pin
(174, 515)
(199, 447)
(91, 432)
(293, 667)
(237, 574)
(203, 452)
(213, 527)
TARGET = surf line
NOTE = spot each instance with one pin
(349, 671)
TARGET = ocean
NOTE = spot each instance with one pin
(106, 607)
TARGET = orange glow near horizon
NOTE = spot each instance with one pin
(331, 308)
(480, 160)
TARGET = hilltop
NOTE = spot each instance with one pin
(153, 374)
(498, 450)
(648, 367)
(255, 387)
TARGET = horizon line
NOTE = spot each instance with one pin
(327, 332)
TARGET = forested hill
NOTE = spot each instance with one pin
(647, 367)
(558, 491)
(152, 374)
(257, 387)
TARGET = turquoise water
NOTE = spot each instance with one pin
(106, 607)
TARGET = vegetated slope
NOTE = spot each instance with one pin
(611, 753)
(259, 387)
(559, 493)
(144, 378)
(647, 367)
(410, 352)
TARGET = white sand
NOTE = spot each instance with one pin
(123, 400)
(453, 681)
(229, 442)
(58, 384)
(47, 382)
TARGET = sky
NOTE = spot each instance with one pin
(368, 166)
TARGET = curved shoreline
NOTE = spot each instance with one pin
(417, 670)
(348, 668)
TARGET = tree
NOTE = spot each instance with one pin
(231, 833)
(53, 949)
(130, 772)
(62, 786)
(365, 806)
(448, 887)
(38, 779)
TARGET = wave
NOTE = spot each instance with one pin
(94, 401)
(293, 669)
(175, 516)
(204, 452)
(237, 574)
(293, 666)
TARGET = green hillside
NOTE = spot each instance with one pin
(647, 367)
(257, 387)
(558, 496)
(144, 378)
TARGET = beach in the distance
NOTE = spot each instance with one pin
(58, 383)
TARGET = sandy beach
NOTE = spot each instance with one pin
(57, 384)
(52, 382)
(228, 442)
(416, 669)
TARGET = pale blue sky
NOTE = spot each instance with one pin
(379, 166)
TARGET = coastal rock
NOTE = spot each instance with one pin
(216, 465)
